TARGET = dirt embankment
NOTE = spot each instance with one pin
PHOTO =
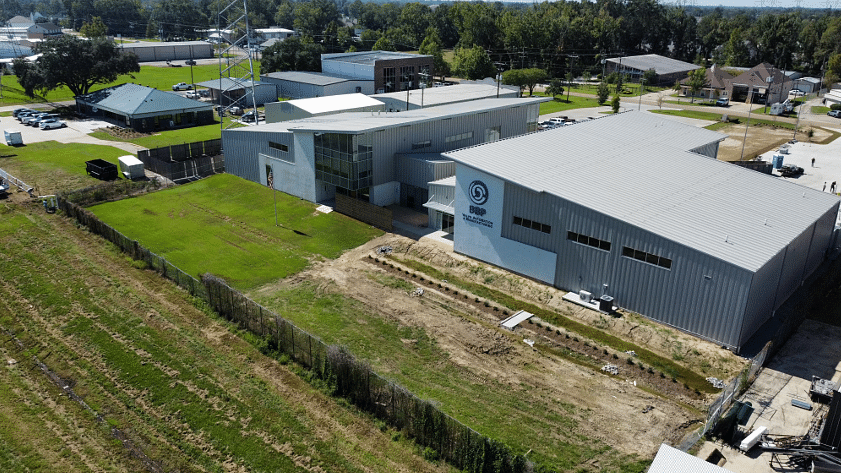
(622, 411)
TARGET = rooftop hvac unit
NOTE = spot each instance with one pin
(585, 296)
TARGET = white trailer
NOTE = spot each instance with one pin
(131, 167)
(13, 137)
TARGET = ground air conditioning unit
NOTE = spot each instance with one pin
(585, 296)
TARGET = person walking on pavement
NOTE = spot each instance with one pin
(832, 188)
(824, 187)
(813, 162)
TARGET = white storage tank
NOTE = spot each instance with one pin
(131, 167)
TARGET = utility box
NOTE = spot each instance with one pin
(606, 303)
(13, 138)
(131, 167)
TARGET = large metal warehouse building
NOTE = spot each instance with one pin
(632, 206)
(384, 158)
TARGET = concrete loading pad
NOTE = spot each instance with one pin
(814, 350)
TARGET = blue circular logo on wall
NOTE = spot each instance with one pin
(478, 192)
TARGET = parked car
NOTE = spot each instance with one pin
(20, 116)
(192, 95)
(182, 86)
(249, 116)
(40, 118)
(722, 102)
(33, 116)
(558, 121)
(52, 124)
(834, 113)
(790, 170)
(18, 111)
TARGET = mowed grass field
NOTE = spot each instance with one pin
(225, 225)
(161, 78)
(50, 166)
(187, 389)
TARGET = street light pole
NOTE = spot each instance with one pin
(746, 131)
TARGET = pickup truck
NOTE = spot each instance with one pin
(722, 102)
(182, 86)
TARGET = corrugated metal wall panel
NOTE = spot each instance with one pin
(681, 296)
(442, 169)
(442, 194)
(387, 143)
(821, 241)
(761, 301)
(796, 255)
(241, 151)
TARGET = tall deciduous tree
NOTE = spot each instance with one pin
(76, 63)
(556, 87)
(697, 81)
(432, 46)
(524, 78)
(603, 92)
(94, 29)
(473, 63)
(292, 54)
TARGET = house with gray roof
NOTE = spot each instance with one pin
(668, 70)
(715, 85)
(306, 85)
(619, 210)
(143, 108)
(762, 83)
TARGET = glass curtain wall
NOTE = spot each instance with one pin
(345, 161)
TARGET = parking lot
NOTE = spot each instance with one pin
(77, 131)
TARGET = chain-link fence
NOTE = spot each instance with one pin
(737, 386)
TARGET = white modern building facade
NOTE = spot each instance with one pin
(371, 155)
(635, 206)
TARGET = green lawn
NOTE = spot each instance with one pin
(50, 166)
(561, 104)
(161, 78)
(717, 117)
(191, 227)
(820, 110)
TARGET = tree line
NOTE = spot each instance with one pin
(559, 37)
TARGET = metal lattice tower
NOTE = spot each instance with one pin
(236, 70)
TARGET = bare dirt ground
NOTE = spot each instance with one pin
(760, 139)
(624, 414)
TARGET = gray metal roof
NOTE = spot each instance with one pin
(672, 460)
(133, 99)
(636, 167)
(432, 96)
(314, 78)
(225, 83)
(359, 122)
(661, 64)
(369, 57)
(149, 44)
